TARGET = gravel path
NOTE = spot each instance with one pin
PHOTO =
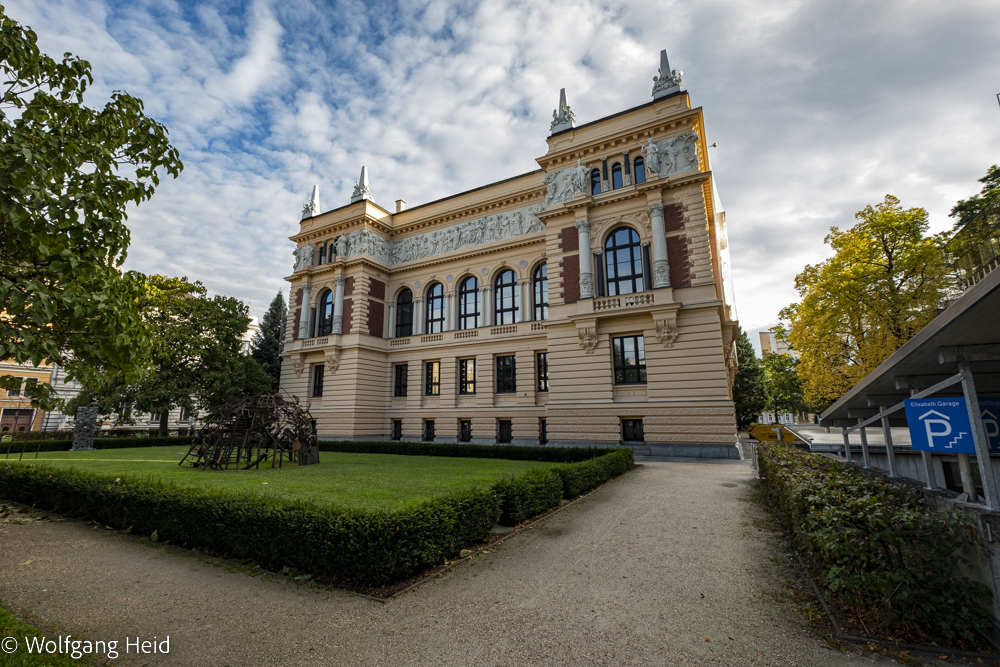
(639, 573)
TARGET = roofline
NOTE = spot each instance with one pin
(512, 178)
(620, 113)
(481, 187)
(341, 208)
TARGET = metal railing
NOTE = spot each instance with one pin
(975, 248)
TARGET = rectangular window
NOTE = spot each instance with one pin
(317, 380)
(432, 380)
(15, 392)
(506, 380)
(467, 376)
(543, 371)
(397, 429)
(465, 430)
(543, 432)
(505, 431)
(632, 431)
(428, 430)
(16, 421)
(401, 373)
(154, 417)
(630, 360)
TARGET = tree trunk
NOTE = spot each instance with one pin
(164, 418)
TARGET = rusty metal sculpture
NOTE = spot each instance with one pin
(254, 430)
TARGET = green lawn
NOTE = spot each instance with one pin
(18, 655)
(369, 481)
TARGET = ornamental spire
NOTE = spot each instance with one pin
(361, 189)
(311, 207)
(562, 118)
(669, 81)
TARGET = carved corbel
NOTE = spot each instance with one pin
(332, 361)
(298, 365)
(587, 332)
(666, 327)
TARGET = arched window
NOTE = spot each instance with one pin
(541, 285)
(324, 314)
(640, 170)
(322, 254)
(468, 304)
(404, 314)
(616, 176)
(506, 303)
(595, 182)
(623, 261)
(435, 309)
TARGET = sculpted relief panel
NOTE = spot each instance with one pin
(665, 157)
(491, 228)
(673, 155)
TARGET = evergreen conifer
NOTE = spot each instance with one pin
(749, 388)
(269, 341)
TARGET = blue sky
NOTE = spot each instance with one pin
(818, 108)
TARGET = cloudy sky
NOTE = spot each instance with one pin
(818, 108)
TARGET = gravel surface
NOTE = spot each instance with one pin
(641, 572)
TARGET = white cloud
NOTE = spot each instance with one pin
(819, 108)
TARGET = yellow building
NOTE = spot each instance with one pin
(587, 302)
(16, 413)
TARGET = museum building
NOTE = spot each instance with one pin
(587, 302)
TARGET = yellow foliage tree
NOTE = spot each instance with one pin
(884, 284)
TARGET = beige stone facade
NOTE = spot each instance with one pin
(341, 353)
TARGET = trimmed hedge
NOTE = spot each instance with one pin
(880, 550)
(527, 495)
(363, 547)
(511, 452)
(99, 443)
(580, 477)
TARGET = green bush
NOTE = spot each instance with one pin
(529, 494)
(364, 547)
(99, 443)
(583, 476)
(880, 550)
(510, 452)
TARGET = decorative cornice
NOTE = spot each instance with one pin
(607, 146)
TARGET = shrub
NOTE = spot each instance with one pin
(511, 452)
(359, 546)
(529, 494)
(880, 550)
(99, 443)
(580, 477)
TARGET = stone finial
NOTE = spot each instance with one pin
(311, 207)
(562, 118)
(669, 81)
(361, 189)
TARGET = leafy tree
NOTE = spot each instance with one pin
(197, 359)
(966, 208)
(882, 286)
(749, 390)
(67, 173)
(269, 342)
(784, 389)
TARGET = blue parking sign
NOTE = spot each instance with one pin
(941, 424)
(989, 407)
